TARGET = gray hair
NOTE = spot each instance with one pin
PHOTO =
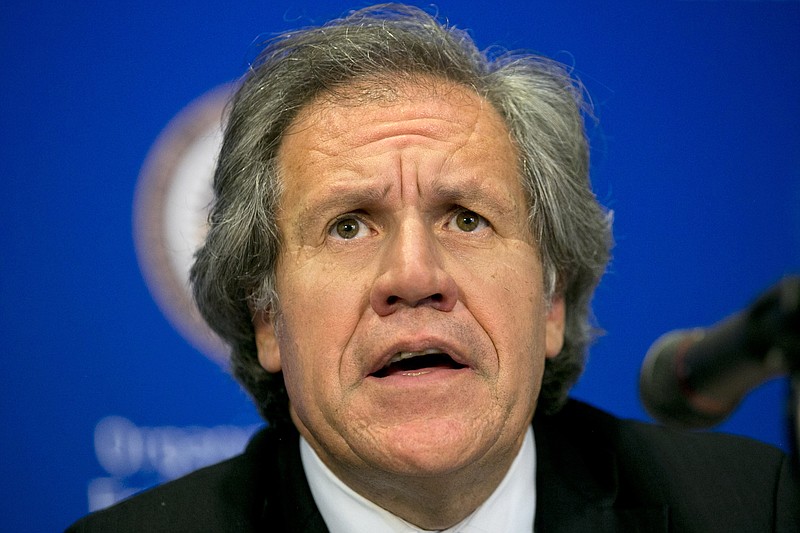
(541, 104)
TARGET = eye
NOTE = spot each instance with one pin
(348, 227)
(467, 221)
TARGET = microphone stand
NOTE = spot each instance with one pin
(788, 344)
(794, 422)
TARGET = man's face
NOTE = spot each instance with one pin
(413, 325)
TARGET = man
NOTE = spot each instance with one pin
(402, 251)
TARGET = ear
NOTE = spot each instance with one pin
(269, 354)
(554, 326)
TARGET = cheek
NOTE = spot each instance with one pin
(507, 288)
(320, 310)
(305, 362)
(316, 298)
(507, 300)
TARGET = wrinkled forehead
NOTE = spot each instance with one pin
(401, 98)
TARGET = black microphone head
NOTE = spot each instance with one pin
(664, 393)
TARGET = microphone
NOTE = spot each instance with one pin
(695, 378)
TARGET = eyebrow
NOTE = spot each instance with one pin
(471, 195)
(343, 198)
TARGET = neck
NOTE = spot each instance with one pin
(431, 502)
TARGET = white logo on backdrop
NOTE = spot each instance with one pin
(139, 457)
(170, 213)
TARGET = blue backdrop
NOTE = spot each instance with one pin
(697, 150)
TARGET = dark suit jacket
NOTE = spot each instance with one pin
(595, 473)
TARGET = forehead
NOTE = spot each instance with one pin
(437, 109)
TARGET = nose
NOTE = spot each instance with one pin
(412, 273)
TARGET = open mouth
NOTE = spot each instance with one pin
(417, 363)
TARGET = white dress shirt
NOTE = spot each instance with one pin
(509, 509)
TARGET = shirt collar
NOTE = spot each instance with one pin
(510, 508)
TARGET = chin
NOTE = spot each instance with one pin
(428, 447)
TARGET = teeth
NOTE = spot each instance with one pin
(400, 356)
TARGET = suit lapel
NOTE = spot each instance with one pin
(303, 514)
(288, 503)
(577, 478)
